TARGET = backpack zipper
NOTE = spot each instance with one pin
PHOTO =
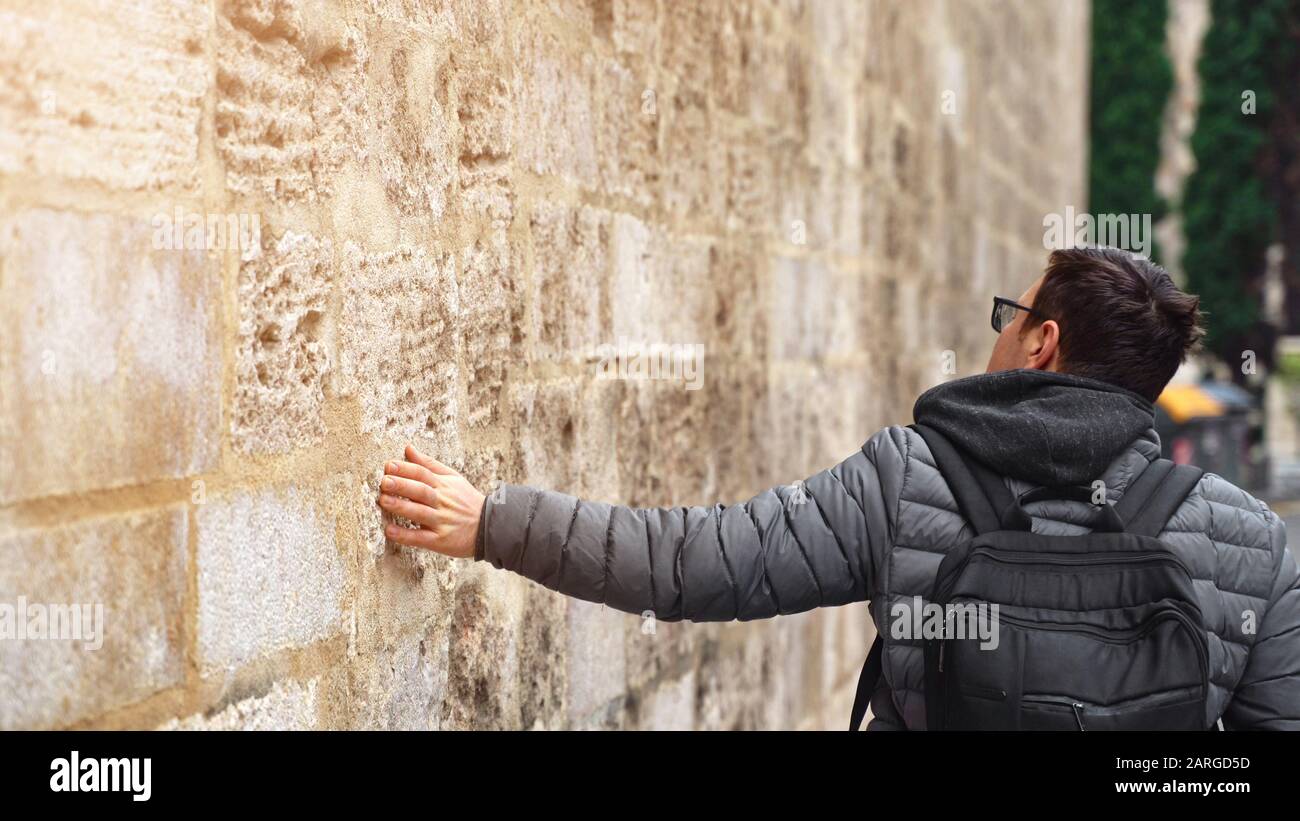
(1124, 636)
(944, 585)
(1109, 636)
(1112, 636)
(1018, 557)
(1075, 707)
(1078, 708)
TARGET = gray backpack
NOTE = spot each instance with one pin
(1100, 631)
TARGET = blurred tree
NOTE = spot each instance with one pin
(1230, 214)
(1282, 156)
(1131, 81)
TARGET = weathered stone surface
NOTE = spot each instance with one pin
(109, 355)
(114, 99)
(415, 126)
(403, 687)
(270, 576)
(597, 677)
(628, 126)
(730, 692)
(290, 97)
(544, 647)
(463, 200)
(630, 24)
(662, 285)
(289, 705)
(555, 123)
(400, 347)
(804, 305)
(483, 661)
(485, 114)
(283, 356)
(491, 299)
(129, 570)
(546, 425)
(570, 264)
(485, 120)
(671, 706)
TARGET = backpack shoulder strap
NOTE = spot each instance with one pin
(867, 681)
(1155, 496)
(981, 495)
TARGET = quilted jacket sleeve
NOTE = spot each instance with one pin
(792, 548)
(1268, 695)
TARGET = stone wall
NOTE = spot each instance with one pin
(454, 203)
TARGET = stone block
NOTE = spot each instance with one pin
(125, 577)
(283, 354)
(110, 355)
(114, 99)
(270, 576)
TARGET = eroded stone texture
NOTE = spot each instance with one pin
(290, 96)
(803, 306)
(546, 418)
(415, 126)
(400, 347)
(283, 355)
(482, 663)
(109, 355)
(631, 25)
(543, 647)
(671, 705)
(570, 259)
(660, 286)
(491, 301)
(729, 691)
(485, 109)
(129, 570)
(629, 128)
(485, 114)
(108, 98)
(555, 124)
(402, 687)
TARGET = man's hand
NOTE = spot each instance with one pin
(438, 499)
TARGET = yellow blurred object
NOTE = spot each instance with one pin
(1183, 402)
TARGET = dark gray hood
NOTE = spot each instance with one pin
(1045, 428)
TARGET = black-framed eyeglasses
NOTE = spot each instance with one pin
(1004, 312)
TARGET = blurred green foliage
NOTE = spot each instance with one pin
(1229, 219)
(1288, 367)
(1131, 81)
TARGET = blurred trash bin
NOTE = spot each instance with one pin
(1216, 426)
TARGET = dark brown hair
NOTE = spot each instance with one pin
(1122, 319)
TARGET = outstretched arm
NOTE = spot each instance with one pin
(788, 549)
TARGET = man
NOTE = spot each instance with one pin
(1066, 400)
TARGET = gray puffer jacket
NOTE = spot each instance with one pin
(876, 526)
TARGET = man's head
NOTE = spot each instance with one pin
(1104, 314)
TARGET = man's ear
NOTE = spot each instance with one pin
(1044, 346)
